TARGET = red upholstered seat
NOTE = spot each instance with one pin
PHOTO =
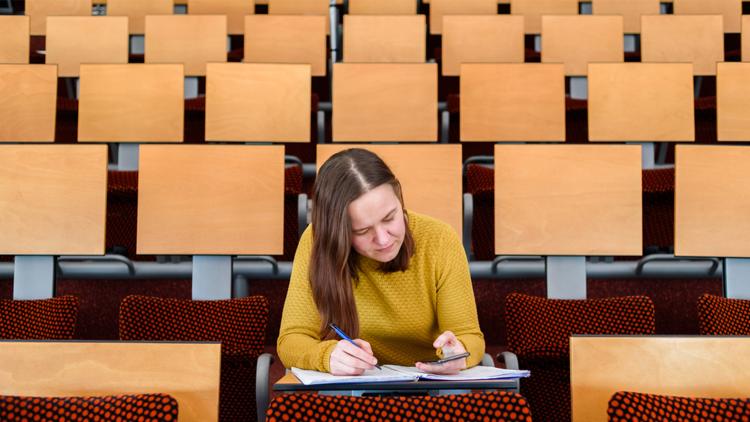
(43, 319)
(137, 407)
(723, 317)
(632, 407)
(239, 324)
(539, 331)
(496, 406)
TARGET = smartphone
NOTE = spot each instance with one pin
(448, 358)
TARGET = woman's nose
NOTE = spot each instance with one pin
(381, 237)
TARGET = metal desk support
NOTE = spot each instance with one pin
(34, 277)
(566, 277)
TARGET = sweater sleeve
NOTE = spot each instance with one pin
(456, 308)
(299, 344)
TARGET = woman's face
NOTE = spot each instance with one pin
(378, 225)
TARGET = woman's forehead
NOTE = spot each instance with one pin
(373, 206)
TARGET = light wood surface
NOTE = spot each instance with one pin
(683, 39)
(579, 40)
(382, 7)
(712, 200)
(211, 200)
(533, 10)
(54, 200)
(137, 10)
(301, 7)
(187, 372)
(235, 10)
(733, 101)
(641, 102)
(568, 200)
(193, 40)
(288, 378)
(14, 44)
(430, 176)
(28, 101)
(384, 39)
(745, 38)
(258, 102)
(38, 10)
(679, 366)
(286, 39)
(481, 39)
(730, 9)
(630, 10)
(512, 102)
(385, 102)
(131, 103)
(440, 8)
(72, 40)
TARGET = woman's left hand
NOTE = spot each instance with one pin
(449, 341)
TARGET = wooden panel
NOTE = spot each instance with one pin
(193, 40)
(385, 102)
(131, 103)
(235, 10)
(286, 39)
(14, 44)
(38, 10)
(730, 9)
(211, 200)
(72, 40)
(54, 199)
(685, 39)
(512, 102)
(28, 101)
(568, 200)
(481, 39)
(258, 102)
(745, 39)
(440, 8)
(382, 7)
(630, 10)
(712, 201)
(187, 372)
(430, 176)
(680, 366)
(533, 10)
(301, 7)
(137, 10)
(733, 101)
(384, 39)
(641, 102)
(577, 41)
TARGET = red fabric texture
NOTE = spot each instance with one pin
(44, 319)
(639, 407)
(138, 407)
(721, 316)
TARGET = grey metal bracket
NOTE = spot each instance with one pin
(585, 8)
(736, 281)
(302, 213)
(180, 9)
(670, 258)
(445, 122)
(137, 44)
(262, 394)
(579, 88)
(95, 258)
(468, 222)
(566, 277)
(334, 31)
(630, 43)
(212, 277)
(537, 43)
(321, 118)
(127, 156)
(34, 277)
(191, 87)
(512, 258)
(7, 9)
(259, 258)
(698, 82)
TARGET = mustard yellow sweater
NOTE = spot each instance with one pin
(400, 314)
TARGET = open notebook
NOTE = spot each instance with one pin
(392, 373)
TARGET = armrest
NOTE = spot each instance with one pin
(262, 371)
(510, 359)
(487, 361)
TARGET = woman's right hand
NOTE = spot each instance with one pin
(348, 359)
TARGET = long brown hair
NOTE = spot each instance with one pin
(344, 177)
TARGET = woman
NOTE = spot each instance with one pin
(396, 281)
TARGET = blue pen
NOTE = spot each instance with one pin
(345, 337)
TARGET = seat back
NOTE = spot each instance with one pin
(72, 40)
(14, 44)
(481, 39)
(286, 39)
(158, 407)
(312, 407)
(38, 10)
(579, 40)
(42, 319)
(384, 39)
(192, 40)
(629, 406)
(647, 102)
(533, 10)
(28, 102)
(688, 39)
(235, 11)
(630, 10)
(385, 102)
(382, 7)
(137, 10)
(731, 10)
(720, 316)
(441, 8)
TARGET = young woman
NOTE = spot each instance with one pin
(395, 281)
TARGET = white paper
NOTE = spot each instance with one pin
(471, 374)
(392, 373)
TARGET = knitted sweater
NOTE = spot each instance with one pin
(400, 314)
